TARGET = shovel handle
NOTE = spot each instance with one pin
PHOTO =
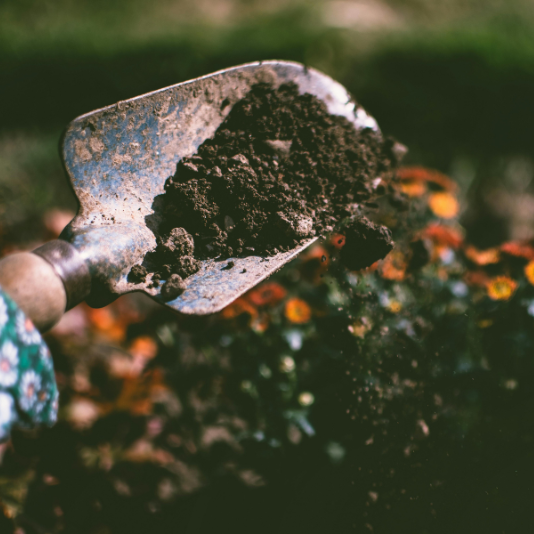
(46, 282)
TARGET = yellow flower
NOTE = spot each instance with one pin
(360, 327)
(297, 311)
(529, 271)
(394, 306)
(501, 288)
(444, 205)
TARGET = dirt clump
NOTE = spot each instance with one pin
(280, 169)
(137, 274)
(365, 243)
(173, 287)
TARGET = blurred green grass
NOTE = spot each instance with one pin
(450, 79)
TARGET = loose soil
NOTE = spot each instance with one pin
(365, 243)
(280, 169)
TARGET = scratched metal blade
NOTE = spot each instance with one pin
(119, 157)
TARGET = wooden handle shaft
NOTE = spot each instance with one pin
(35, 286)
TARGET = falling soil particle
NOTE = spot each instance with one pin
(365, 243)
(279, 169)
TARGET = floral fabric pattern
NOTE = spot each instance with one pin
(28, 391)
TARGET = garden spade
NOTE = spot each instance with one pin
(117, 159)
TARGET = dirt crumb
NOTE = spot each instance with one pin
(137, 274)
(173, 287)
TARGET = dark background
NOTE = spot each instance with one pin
(451, 79)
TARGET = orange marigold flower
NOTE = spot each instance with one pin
(529, 271)
(297, 311)
(394, 266)
(413, 189)
(420, 174)
(444, 205)
(239, 307)
(337, 240)
(267, 294)
(443, 235)
(482, 257)
(513, 248)
(501, 288)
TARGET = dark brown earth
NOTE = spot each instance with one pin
(365, 243)
(279, 169)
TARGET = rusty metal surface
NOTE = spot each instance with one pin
(70, 267)
(119, 157)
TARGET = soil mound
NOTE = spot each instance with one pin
(278, 170)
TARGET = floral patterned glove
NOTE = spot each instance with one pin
(28, 391)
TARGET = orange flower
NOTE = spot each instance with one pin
(144, 347)
(501, 288)
(101, 318)
(297, 311)
(444, 205)
(420, 174)
(337, 240)
(315, 264)
(267, 294)
(413, 189)
(443, 235)
(106, 323)
(394, 266)
(482, 257)
(529, 271)
(513, 248)
(239, 307)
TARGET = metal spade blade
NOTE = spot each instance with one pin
(118, 158)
